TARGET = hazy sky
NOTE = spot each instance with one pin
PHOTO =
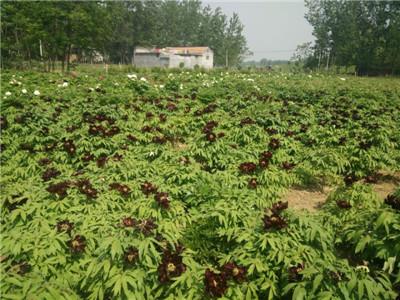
(273, 29)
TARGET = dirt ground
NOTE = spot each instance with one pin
(387, 184)
(312, 199)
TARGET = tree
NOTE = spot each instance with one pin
(52, 31)
(360, 33)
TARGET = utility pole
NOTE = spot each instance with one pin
(226, 58)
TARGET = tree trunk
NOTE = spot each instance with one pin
(68, 57)
(63, 61)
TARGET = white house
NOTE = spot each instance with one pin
(173, 57)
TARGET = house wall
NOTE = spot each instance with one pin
(190, 61)
(149, 60)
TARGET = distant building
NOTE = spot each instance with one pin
(173, 57)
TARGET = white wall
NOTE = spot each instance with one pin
(191, 61)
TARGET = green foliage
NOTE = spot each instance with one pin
(81, 160)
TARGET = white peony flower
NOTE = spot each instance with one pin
(143, 79)
(36, 93)
(132, 76)
(24, 91)
(309, 76)
(341, 78)
(8, 93)
(65, 84)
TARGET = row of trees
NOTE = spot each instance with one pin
(53, 31)
(364, 34)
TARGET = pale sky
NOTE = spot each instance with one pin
(273, 29)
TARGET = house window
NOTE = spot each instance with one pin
(207, 57)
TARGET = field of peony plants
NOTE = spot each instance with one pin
(171, 185)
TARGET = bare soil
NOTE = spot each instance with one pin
(311, 199)
(387, 184)
(308, 199)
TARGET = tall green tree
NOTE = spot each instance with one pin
(360, 33)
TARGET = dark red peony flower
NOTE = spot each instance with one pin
(247, 167)
(288, 165)
(221, 134)
(274, 143)
(349, 179)
(44, 161)
(146, 128)
(77, 244)
(211, 137)
(87, 157)
(101, 161)
(50, 173)
(209, 126)
(149, 115)
(112, 131)
(132, 138)
(246, 121)
(148, 188)
(289, 133)
(215, 284)
(206, 110)
(131, 255)
(71, 128)
(343, 204)
(253, 183)
(123, 189)
(266, 155)
(274, 222)
(171, 106)
(272, 131)
(100, 117)
(65, 226)
(59, 189)
(85, 187)
(162, 199)
(159, 139)
(263, 163)
(278, 207)
(146, 226)
(393, 200)
(69, 147)
(232, 270)
(129, 222)
(294, 272)
(171, 265)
